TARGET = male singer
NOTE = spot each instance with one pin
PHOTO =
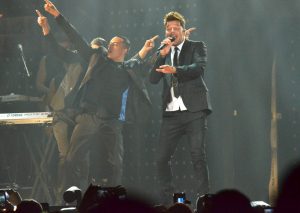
(180, 65)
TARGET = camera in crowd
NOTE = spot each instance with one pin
(4, 204)
(9, 198)
(179, 197)
(117, 192)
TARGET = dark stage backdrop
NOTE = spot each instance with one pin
(244, 38)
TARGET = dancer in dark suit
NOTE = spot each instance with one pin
(180, 65)
(101, 100)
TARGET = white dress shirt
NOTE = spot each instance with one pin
(176, 103)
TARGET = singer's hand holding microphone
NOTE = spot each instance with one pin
(165, 46)
(164, 50)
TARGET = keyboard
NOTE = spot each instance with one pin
(26, 118)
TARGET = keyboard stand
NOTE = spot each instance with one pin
(40, 155)
(41, 186)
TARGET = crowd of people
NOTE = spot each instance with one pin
(115, 199)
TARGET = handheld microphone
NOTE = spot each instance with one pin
(164, 45)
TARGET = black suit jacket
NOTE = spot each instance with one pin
(138, 101)
(190, 74)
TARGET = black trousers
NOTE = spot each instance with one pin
(103, 139)
(174, 126)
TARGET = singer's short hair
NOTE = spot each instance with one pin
(174, 16)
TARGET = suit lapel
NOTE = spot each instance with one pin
(93, 61)
(136, 79)
(183, 51)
